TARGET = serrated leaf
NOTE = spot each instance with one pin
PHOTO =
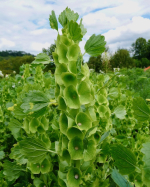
(63, 18)
(95, 45)
(83, 30)
(119, 179)
(41, 58)
(120, 112)
(71, 15)
(33, 149)
(125, 160)
(53, 21)
(12, 171)
(141, 110)
(15, 126)
(104, 136)
(75, 31)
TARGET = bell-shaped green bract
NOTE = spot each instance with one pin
(73, 52)
(71, 122)
(102, 99)
(63, 166)
(64, 142)
(62, 52)
(74, 177)
(63, 122)
(46, 140)
(71, 97)
(72, 67)
(41, 129)
(103, 92)
(57, 91)
(97, 136)
(91, 113)
(65, 40)
(75, 148)
(61, 68)
(85, 93)
(45, 166)
(55, 57)
(61, 103)
(102, 110)
(34, 123)
(73, 131)
(35, 168)
(69, 79)
(66, 155)
(45, 122)
(83, 121)
(90, 150)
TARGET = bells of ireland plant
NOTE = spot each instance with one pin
(76, 98)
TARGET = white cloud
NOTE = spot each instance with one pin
(6, 43)
(25, 24)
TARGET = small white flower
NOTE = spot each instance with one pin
(105, 56)
(14, 72)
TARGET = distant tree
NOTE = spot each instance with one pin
(148, 50)
(139, 48)
(49, 52)
(13, 53)
(95, 63)
(14, 63)
(121, 59)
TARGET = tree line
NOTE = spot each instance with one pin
(137, 56)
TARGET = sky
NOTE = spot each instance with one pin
(24, 24)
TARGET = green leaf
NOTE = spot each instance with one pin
(95, 45)
(141, 110)
(75, 31)
(104, 136)
(41, 58)
(16, 155)
(113, 92)
(33, 149)
(120, 112)
(2, 155)
(83, 30)
(15, 126)
(53, 21)
(119, 179)
(71, 15)
(125, 160)
(63, 18)
(146, 169)
(12, 171)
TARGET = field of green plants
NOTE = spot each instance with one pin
(74, 128)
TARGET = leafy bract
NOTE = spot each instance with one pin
(113, 92)
(120, 112)
(33, 149)
(41, 58)
(53, 21)
(141, 110)
(83, 30)
(95, 45)
(75, 31)
(11, 170)
(119, 179)
(125, 160)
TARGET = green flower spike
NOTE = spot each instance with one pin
(75, 148)
(74, 177)
(71, 97)
(83, 121)
(62, 52)
(45, 122)
(90, 150)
